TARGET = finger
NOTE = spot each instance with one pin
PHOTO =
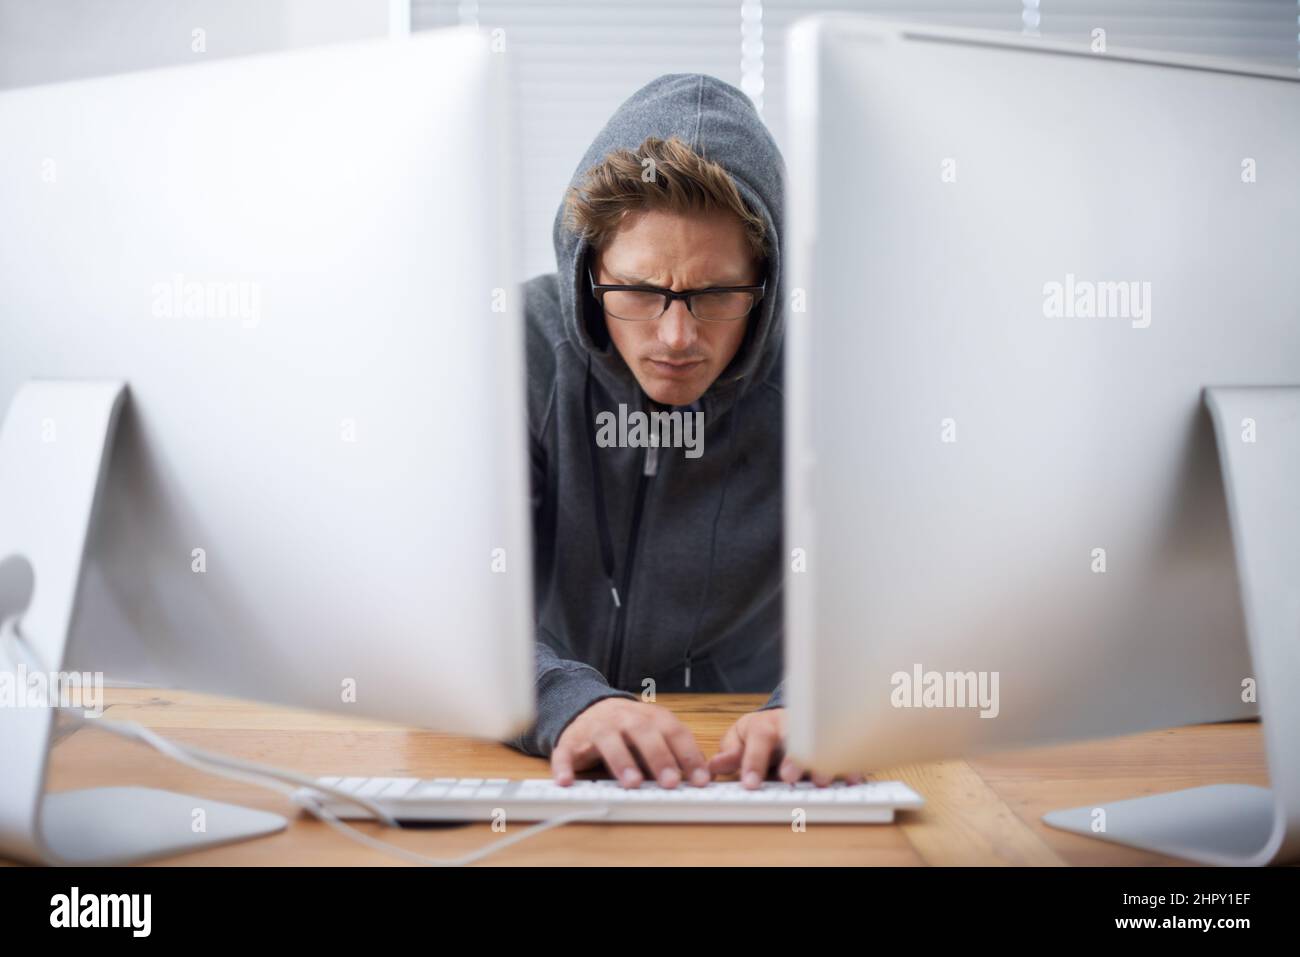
(689, 757)
(573, 758)
(822, 780)
(759, 747)
(562, 765)
(614, 751)
(790, 771)
(727, 760)
(656, 755)
(855, 778)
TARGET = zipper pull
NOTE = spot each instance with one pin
(613, 590)
(651, 460)
(688, 671)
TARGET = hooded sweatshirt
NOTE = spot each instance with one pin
(649, 565)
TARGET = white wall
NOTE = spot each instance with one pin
(45, 41)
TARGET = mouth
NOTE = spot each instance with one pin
(675, 369)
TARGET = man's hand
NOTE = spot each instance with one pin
(754, 743)
(614, 729)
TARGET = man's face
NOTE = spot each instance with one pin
(676, 357)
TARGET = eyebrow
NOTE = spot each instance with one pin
(620, 280)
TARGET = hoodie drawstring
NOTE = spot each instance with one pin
(713, 536)
(598, 487)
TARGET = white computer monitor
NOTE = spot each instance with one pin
(1018, 266)
(300, 266)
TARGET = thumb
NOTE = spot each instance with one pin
(730, 752)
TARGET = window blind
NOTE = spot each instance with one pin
(574, 61)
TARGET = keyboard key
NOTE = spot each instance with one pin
(399, 787)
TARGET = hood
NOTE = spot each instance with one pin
(720, 123)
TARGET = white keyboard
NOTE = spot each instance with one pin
(537, 799)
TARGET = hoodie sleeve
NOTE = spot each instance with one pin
(565, 688)
(777, 698)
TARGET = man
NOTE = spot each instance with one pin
(660, 566)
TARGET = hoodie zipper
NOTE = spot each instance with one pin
(648, 471)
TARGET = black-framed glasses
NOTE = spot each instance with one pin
(643, 303)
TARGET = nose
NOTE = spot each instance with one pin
(677, 327)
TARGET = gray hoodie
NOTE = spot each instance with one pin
(692, 546)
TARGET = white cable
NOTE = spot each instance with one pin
(246, 771)
(313, 807)
(274, 778)
(260, 775)
(15, 646)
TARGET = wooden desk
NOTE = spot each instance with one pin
(980, 812)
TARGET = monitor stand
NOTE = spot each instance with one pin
(1258, 435)
(54, 449)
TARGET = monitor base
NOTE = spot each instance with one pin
(123, 825)
(1224, 824)
(55, 443)
(1257, 431)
